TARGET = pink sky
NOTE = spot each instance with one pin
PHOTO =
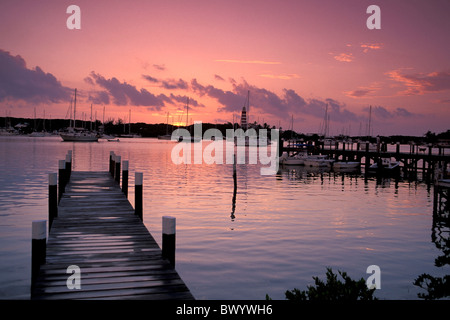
(294, 57)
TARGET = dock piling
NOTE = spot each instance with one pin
(38, 247)
(117, 169)
(68, 165)
(138, 201)
(125, 177)
(62, 177)
(168, 238)
(52, 197)
(111, 162)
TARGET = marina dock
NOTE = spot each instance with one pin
(418, 157)
(98, 231)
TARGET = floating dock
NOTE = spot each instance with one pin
(97, 231)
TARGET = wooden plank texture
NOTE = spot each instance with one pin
(97, 230)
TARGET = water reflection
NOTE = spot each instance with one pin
(438, 287)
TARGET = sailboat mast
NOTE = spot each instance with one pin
(187, 113)
(91, 117)
(75, 108)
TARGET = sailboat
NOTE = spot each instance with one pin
(75, 134)
(192, 137)
(167, 136)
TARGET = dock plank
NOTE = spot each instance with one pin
(97, 230)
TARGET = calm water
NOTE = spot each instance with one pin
(286, 228)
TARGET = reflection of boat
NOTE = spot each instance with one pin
(385, 166)
(189, 139)
(165, 137)
(346, 165)
(296, 159)
(318, 161)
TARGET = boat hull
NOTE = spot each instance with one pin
(79, 137)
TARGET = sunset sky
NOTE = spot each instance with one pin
(293, 56)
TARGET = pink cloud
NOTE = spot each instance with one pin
(344, 57)
(421, 83)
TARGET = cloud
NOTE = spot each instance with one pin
(99, 97)
(385, 114)
(30, 85)
(281, 76)
(248, 61)
(125, 94)
(149, 78)
(265, 101)
(169, 84)
(344, 57)
(371, 46)
(358, 93)
(421, 83)
(159, 67)
(217, 77)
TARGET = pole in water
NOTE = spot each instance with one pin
(138, 205)
(62, 177)
(117, 170)
(38, 247)
(52, 197)
(168, 238)
(111, 163)
(125, 177)
(68, 165)
(235, 188)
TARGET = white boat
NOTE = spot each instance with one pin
(74, 134)
(318, 161)
(79, 135)
(165, 137)
(346, 165)
(296, 160)
(251, 141)
(385, 166)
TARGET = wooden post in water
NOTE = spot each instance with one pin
(168, 238)
(117, 170)
(111, 162)
(52, 197)
(138, 201)
(367, 156)
(62, 178)
(38, 247)
(125, 178)
(68, 164)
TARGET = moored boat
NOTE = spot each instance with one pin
(385, 166)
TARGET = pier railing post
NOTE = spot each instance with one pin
(117, 170)
(367, 156)
(38, 247)
(68, 165)
(168, 238)
(125, 178)
(138, 201)
(62, 178)
(52, 197)
(111, 162)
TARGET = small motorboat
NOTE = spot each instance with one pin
(385, 166)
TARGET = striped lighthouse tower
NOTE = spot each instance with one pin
(244, 123)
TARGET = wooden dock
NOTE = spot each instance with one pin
(97, 230)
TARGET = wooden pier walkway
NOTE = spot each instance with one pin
(97, 230)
